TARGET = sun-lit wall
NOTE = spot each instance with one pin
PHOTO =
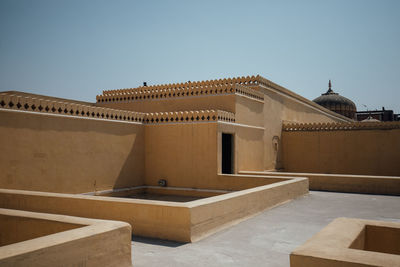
(358, 148)
(68, 154)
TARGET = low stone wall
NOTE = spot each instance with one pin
(351, 242)
(158, 219)
(342, 148)
(183, 222)
(69, 154)
(382, 185)
(55, 240)
(213, 214)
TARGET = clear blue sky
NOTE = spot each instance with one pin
(76, 49)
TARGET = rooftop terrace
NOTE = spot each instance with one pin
(269, 238)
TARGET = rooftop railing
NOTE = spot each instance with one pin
(28, 104)
(249, 80)
(22, 103)
(159, 94)
(351, 126)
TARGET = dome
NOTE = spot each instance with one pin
(337, 103)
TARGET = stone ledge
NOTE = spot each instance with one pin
(344, 242)
(57, 240)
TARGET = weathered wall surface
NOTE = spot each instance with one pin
(182, 222)
(249, 111)
(165, 220)
(236, 206)
(248, 146)
(185, 154)
(369, 152)
(67, 154)
(48, 243)
(17, 229)
(339, 244)
(216, 102)
(280, 108)
(349, 183)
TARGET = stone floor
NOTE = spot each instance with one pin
(268, 238)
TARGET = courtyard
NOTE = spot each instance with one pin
(268, 238)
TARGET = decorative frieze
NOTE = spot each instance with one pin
(15, 102)
(246, 91)
(159, 94)
(249, 80)
(189, 116)
(351, 126)
(22, 103)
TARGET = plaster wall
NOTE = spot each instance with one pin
(56, 153)
(224, 102)
(158, 219)
(249, 111)
(339, 244)
(17, 229)
(185, 154)
(177, 221)
(209, 216)
(366, 152)
(346, 183)
(189, 154)
(53, 242)
(248, 146)
(280, 107)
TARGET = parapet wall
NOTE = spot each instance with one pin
(188, 116)
(294, 127)
(59, 240)
(253, 80)
(342, 148)
(205, 97)
(178, 92)
(184, 154)
(72, 148)
(69, 154)
(52, 106)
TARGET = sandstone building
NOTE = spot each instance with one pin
(179, 161)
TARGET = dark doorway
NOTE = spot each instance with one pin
(227, 153)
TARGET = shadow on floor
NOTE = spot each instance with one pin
(158, 242)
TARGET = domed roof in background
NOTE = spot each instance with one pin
(337, 103)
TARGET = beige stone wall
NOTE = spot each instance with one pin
(351, 243)
(279, 108)
(224, 102)
(158, 219)
(249, 111)
(49, 240)
(17, 229)
(56, 153)
(179, 221)
(359, 151)
(248, 146)
(189, 154)
(366, 184)
(207, 216)
(185, 154)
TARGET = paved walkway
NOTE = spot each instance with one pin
(268, 238)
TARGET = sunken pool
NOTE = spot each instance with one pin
(171, 194)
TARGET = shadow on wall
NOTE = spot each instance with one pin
(69, 155)
(133, 165)
(60, 123)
